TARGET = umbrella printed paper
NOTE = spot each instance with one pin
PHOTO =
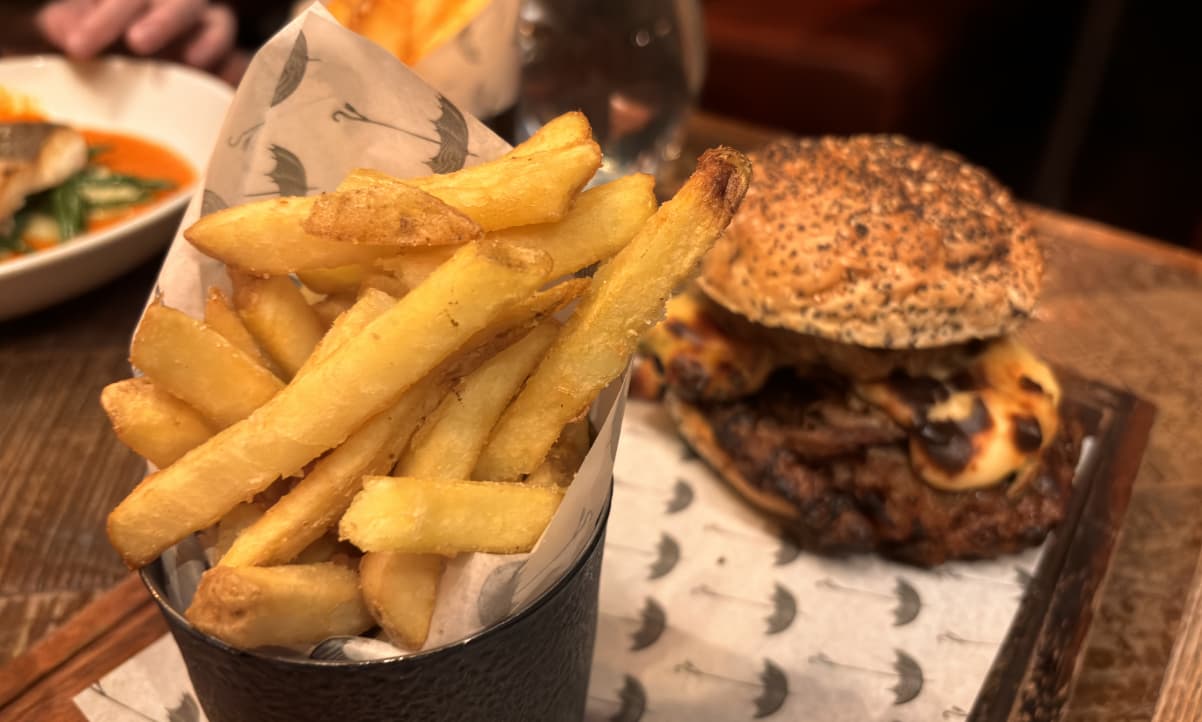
(304, 116)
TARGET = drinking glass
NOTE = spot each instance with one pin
(633, 66)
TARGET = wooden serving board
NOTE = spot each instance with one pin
(1030, 680)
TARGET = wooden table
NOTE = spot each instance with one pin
(1116, 307)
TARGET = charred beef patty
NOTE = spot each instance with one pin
(842, 468)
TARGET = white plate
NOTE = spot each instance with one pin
(175, 106)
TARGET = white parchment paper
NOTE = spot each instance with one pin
(317, 102)
(709, 614)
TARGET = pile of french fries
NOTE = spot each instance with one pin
(410, 29)
(401, 374)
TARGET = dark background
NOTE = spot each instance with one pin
(1090, 106)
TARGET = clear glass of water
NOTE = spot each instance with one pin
(633, 66)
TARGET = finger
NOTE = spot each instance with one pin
(218, 26)
(165, 21)
(102, 26)
(56, 20)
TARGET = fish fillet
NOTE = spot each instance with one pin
(33, 158)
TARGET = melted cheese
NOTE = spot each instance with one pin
(1013, 386)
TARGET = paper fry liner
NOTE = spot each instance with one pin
(316, 102)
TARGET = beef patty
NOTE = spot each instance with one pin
(837, 470)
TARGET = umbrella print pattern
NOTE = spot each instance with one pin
(907, 602)
(450, 133)
(751, 610)
(772, 683)
(905, 669)
(666, 553)
(287, 173)
(782, 603)
(682, 493)
(631, 701)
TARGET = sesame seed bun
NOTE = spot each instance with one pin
(876, 241)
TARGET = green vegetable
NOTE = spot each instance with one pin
(69, 209)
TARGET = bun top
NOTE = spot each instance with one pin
(876, 241)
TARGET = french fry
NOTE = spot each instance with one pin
(316, 503)
(521, 317)
(563, 131)
(400, 591)
(231, 526)
(602, 221)
(627, 295)
(434, 516)
(333, 281)
(565, 457)
(318, 410)
(450, 440)
(518, 189)
(195, 364)
(387, 283)
(153, 423)
(388, 214)
(330, 308)
(436, 22)
(413, 265)
(265, 238)
(295, 604)
(222, 318)
(371, 305)
(280, 319)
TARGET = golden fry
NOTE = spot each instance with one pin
(400, 591)
(350, 323)
(319, 500)
(296, 604)
(194, 363)
(450, 440)
(153, 423)
(626, 297)
(412, 266)
(603, 220)
(520, 188)
(333, 281)
(392, 214)
(433, 516)
(266, 238)
(222, 318)
(330, 308)
(565, 457)
(318, 410)
(280, 319)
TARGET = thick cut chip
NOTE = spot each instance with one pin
(319, 500)
(278, 316)
(153, 423)
(231, 526)
(319, 409)
(435, 516)
(388, 214)
(330, 308)
(371, 305)
(436, 22)
(449, 442)
(400, 591)
(222, 318)
(413, 265)
(626, 297)
(194, 363)
(564, 459)
(333, 281)
(603, 220)
(297, 604)
(266, 238)
(536, 182)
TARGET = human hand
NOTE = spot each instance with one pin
(83, 28)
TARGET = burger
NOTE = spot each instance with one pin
(846, 359)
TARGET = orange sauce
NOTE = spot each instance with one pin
(135, 156)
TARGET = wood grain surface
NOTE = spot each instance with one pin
(1116, 307)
